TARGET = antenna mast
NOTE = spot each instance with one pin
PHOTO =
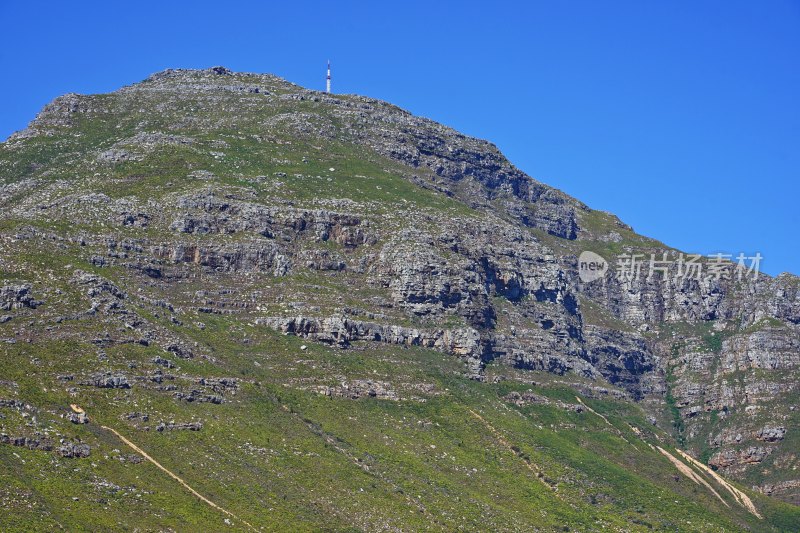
(328, 79)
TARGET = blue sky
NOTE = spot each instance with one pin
(682, 117)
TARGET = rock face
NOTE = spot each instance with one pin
(771, 434)
(170, 426)
(624, 359)
(32, 443)
(345, 220)
(109, 381)
(74, 450)
(16, 297)
(463, 342)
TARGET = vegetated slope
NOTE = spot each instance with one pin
(322, 311)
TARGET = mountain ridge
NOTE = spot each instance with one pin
(200, 197)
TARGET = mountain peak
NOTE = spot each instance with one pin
(325, 296)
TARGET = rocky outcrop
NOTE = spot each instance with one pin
(69, 450)
(206, 213)
(109, 381)
(767, 349)
(78, 418)
(462, 342)
(198, 396)
(529, 398)
(623, 358)
(425, 282)
(471, 169)
(72, 450)
(660, 297)
(732, 458)
(786, 490)
(771, 434)
(172, 426)
(32, 443)
(16, 296)
(254, 256)
(361, 388)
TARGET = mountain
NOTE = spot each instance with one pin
(229, 302)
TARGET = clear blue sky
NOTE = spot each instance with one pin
(682, 117)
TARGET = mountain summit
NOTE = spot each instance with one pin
(229, 301)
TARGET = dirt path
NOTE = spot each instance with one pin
(688, 472)
(175, 477)
(619, 433)
(740, 496)
(332, 442)
(504, 442)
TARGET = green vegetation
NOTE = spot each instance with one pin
(284, 457)
(295, 435)
(675, 412)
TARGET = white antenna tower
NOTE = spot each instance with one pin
(328, 79)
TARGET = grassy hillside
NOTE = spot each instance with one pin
(145, 233)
